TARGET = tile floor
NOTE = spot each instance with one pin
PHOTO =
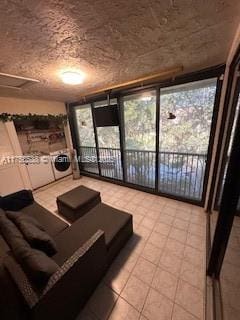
(159, 275)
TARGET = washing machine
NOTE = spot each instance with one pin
(61, 163)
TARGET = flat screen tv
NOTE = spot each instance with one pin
(106, 116)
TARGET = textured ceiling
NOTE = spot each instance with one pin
(110, 40)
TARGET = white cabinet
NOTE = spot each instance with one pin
(10, 179)
(12, 175)
(40, 174)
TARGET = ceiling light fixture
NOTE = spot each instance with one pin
(72, 77)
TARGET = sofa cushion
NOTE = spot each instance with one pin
(10, 232)
(4, 247)
(33, 232)
(19, 216)
(16, 201)
(38, 266)
(102, 217)
(49, 221)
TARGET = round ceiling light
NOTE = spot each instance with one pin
(72, 77)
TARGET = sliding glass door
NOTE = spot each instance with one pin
(160, 141)
(109, 147)
(86, 144)
(185, 121)
(140, 138)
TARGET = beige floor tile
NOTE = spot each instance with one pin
(187, 207)
(175, 247)
(184, 215)
(190, 298)
(153, 214)
(157, 207)
(162, 228)
(172, 203)
(178, 235)
(181, 224)
(141, 210)
(157, 307)
(138, 218)
(116, 278)
(169, 210)
(124, 311)
(102, 302)
(157, 239)
(144, 270)
(195, 241)
(165, 283)
(199, 218)
(151, 253)
(192, 274)
(193, 256)
(148, 223)
(136, 243)
(181, 314)
(126, 260)
(170, 262)
(198, 230)
(165, 218)
(130, 207)
(135, 292)
(142, 232)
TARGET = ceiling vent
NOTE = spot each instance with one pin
(14, 82)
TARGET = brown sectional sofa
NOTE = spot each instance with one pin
(84, 251)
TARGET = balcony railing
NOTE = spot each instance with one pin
(180, 174)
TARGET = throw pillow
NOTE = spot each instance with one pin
(37, 265)
(17, 201)
(33, 233)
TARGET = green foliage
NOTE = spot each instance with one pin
(189, 132)
(140, 124)
(5, 117)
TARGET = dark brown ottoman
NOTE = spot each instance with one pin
(76, 202)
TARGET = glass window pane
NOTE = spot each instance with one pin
(109, 152)
(185, 122)
(192, 104)
(109, 147)
(85, 126)
(140, 121)
(86, 138)
(108, 137)
(140, 138)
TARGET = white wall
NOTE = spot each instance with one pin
(15, 177)
(13, 105)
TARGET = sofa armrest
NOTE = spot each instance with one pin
(17, 201)
(70, 286)
(21, 281)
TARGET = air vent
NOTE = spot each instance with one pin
(15, 82)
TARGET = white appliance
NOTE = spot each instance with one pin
(61, 163)
(41, 172)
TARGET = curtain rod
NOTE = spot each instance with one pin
(147, 77)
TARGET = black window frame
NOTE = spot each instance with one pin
(213, 72)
